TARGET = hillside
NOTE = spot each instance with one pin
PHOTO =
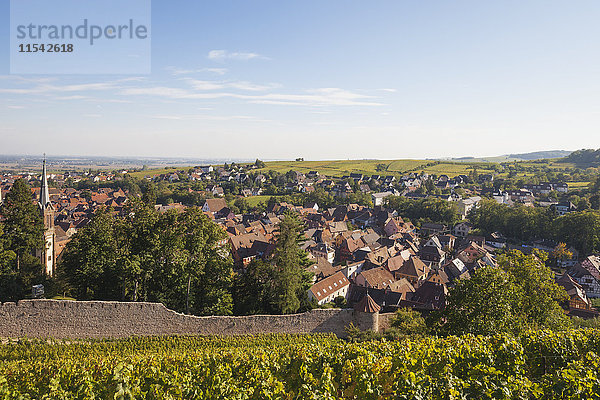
(536, 155)
(338, 168)
(584, 158)
(540, 155)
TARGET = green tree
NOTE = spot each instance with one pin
(277, 285)
(406, 322)
(483, 304)
(253, 289)
(10, 285)
(520, 293)
(23, 223)
(208, 263)
(89, 261)
(290, 260)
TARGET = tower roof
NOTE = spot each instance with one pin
(367, 305)
(44, 193)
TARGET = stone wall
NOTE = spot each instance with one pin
(101, 319)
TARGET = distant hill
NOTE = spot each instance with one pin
(536, 155)
(539, 155)
(584, 158)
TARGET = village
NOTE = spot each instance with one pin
(355, 249)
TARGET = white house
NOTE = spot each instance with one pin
(328, 289)
(378, 198)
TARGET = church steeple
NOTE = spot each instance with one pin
(44, 192)
(47, 253)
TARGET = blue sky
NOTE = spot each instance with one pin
(327, 80)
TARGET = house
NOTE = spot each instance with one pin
(387, 299)
(429, 296)
(564, 207)
(429, 228)
(414, 270)
(578, 303)
(456, 269)
(348, 247)
(328, 289)
(322, 269)
(587, 274)
(377, 278)
(433, 251)
(242, 247)
(462, 229)
(496, 240)
(323, 250)
(379, 198)
(214, 205)
(561, 187)
(206, 168)
(393, 264)
(393, 226)
(312, 205)
(350, 271)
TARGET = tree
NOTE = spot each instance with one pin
(253, 289)
(595, 202)
(89, 261)
(583, 204)
(23, 225)
(178, 259)
(208, 262)
(10, 285)
(541, 295)
(560, 253)
(483, 304)
(290, 260)
(520, 293)
(406, 322)
(279, 284)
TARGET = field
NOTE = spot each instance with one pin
(537, 365)
(253, 201)
(338, 168)
(578, 185)
(397, 168)
(159, 171)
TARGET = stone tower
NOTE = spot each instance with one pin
(47, 253)
(366, 314)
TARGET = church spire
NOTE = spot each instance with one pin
(44, 193)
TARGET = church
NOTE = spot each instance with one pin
(46, 254)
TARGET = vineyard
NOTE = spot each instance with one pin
(538, 365)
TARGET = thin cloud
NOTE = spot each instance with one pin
(209, 118)
(239, 85)
(315, 97)
(180, 71)
(222, 55)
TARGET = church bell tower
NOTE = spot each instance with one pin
(47, 253)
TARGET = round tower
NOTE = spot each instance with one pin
(366, 314)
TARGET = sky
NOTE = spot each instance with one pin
(326, 80)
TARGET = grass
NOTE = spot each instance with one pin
(578, 185)
(338, 168)
(155, 172)
(253, 201)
